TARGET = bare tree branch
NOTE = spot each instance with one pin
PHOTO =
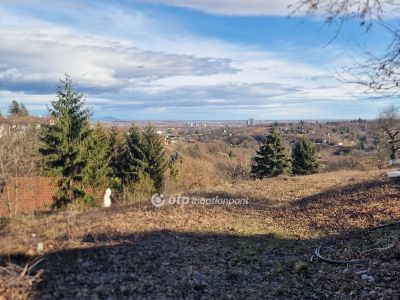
(19, 156)
(364, 10)
(377, 74)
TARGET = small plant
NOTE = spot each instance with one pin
(174, 165)
(4, 221)
(301, 267)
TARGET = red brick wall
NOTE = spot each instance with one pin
(28, 194)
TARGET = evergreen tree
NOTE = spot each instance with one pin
(97, 152)
(23, 110)
(155, 155)
(18, 109)
(117, 153)
(304, 158)
(145, 154)
(14, 109)
(63, 142)
(271, 159)
(174, 165)
(134, 155)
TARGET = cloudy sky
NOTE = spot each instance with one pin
(183, 59)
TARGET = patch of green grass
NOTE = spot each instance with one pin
(281, 292)
(4, 221)
(51, 234)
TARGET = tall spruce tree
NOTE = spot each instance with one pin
(63, 142)
(117, 153)
(155, 155)
(97, 152)
(14, 109)
(18, 109)
(145, 154)
(304, 158)
(134, 154)
(271, 159)
(23, 110)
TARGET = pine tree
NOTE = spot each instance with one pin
(134, 155)
(271, 159)
(304, 158)
(14, 109)
(97, 152)
(63, 142)
(174, 165)
(155, 155)
(23, 110)
(117, 153)
(145, 154)
(18, 109)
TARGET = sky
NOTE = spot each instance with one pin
(184, 59)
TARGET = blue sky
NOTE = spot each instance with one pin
(183, 59)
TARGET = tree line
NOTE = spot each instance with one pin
(87, 160)
(17, 109)
(272, 159)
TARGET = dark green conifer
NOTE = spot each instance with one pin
(155, 154)
(304, 158)
(271, 159)
(63, 142)
(14, 109)
(97, 153)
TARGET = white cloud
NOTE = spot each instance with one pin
(95, 63)
(234, 7)
(273, 7)
(149, 66)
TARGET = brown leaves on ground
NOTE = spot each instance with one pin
(260, 250)
(16, 282)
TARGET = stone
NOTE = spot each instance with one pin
(367, 278)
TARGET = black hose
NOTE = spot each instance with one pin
(318, 254)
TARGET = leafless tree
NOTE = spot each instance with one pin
(389, 124)
(378, 74)
(364, 10)
(19, 156)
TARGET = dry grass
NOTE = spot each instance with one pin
(21, 233)
(282, 189)
(286, 217)
(16, 282)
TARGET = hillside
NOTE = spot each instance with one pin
(262, 249)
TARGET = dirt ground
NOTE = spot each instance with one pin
(260, 250)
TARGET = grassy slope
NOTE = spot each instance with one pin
(259, 250)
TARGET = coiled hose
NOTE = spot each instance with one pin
(318, 250)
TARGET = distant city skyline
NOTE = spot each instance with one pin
(184, 59)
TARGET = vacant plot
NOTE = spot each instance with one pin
(259, 250)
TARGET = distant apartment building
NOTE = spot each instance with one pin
(196, 125)
(251, 122)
